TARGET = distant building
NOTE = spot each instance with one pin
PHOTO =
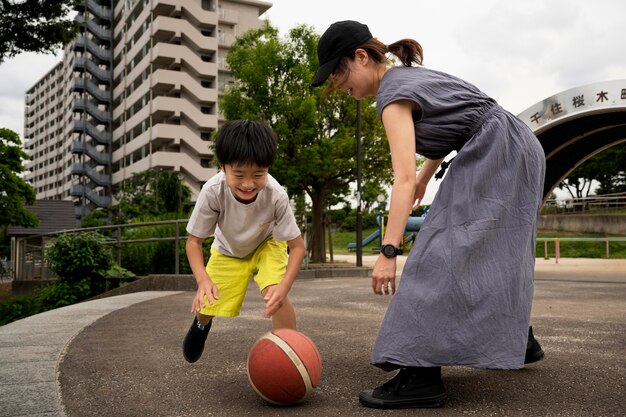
(136, 90)
(27, 242)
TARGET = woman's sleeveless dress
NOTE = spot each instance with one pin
(466, 290)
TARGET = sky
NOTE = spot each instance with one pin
(518, 52)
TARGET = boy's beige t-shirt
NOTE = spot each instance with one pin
(240, 228)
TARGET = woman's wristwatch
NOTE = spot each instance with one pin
(390, 251)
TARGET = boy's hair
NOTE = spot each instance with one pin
(246, 142)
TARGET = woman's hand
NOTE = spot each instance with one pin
(418, 195)
(384, 275)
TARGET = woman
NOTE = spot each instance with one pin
(466, 290)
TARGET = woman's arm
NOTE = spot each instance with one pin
(398, 121)
(423, 178)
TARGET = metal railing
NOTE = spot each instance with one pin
(29, 262)
(587, 205)
(557, 244)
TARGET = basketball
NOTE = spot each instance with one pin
(284, 367)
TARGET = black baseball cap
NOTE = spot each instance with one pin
(339, 39)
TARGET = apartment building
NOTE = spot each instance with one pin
(138, 89)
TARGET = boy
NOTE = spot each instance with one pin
(248, 213)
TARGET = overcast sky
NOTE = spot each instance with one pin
(518, 52)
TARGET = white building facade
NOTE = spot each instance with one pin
(137, 90)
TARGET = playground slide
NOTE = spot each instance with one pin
(414, 224)
(367, 240)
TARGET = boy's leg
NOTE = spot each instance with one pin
(231, 276)
(271, 263)
(203, 320)
(285, 316)
(193, 345)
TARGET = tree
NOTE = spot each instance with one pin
(35, 26)
(317, 146)
(578, 182)
(608, 168)
(152, 193)
(15, 193)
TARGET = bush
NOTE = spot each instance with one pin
(81, 262)
(145, 258)
(149, 257)
(18, 307)
(369, 222)
(60, 294)
(74, 257)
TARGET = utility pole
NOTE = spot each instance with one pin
(359, 217)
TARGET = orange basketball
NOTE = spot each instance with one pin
(284, 367)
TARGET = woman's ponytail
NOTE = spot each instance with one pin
(408, 50)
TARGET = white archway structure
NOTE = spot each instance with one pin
(576, 124)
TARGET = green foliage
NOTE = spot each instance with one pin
(18, 307)
(342, 238)
(63, 293)
(151, 193)
(317, 146)
(15, 193)
(118, 272)
(608, 168)
(155, 257)
(74, 257)
(84, 267)
(579, 249)
(35, 26)
(96, 218)
(369, 222)
(5, 243)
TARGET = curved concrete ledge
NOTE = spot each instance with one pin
(31, 348)
(186, 282)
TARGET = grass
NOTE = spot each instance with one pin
(568, 249)
(599, 212)
(582, 249)
(341, 240)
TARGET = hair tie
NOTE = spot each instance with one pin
(386, 48)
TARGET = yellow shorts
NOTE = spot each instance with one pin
(231, 275)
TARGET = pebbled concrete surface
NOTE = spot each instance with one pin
(121, 356)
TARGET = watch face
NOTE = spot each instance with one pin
(389, 250)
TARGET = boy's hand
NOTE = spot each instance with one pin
(273, 297)
(205, 288)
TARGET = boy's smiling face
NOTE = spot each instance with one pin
(245, 181)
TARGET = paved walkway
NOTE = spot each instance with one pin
(121, 356)
(31, 350)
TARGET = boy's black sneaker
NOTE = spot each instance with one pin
(193, 344)
(410, 388)
(534, 353)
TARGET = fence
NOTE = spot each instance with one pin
(603, 203)
(557, 243)
(28, 260)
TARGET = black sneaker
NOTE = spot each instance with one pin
(534, 353)
(410, 388)
(193, 344)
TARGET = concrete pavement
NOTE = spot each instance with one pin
(32, 348)
(121, 356)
